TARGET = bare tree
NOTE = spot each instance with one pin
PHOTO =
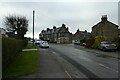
(18, 24)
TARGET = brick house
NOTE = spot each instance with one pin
(56, 35)
(106, 29)
(80, 35)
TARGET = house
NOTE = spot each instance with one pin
(118, 32)
(56, 35)
(80, 35)
(106, 29)
(64, 36)
(2, 31)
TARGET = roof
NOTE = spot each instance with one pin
(82, 32)
(103, 23)
(61, 29)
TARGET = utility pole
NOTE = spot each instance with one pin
(33, 27)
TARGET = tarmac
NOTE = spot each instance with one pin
(98, 52)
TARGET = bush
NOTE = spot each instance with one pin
(10, 49)
(90, 42)
(98, 39)
(25, 42)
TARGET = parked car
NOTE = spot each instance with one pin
(44, 44)
(107, 46)
(37, 42)
(83, 44)
(77, 42)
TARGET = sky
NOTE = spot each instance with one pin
(73, 13)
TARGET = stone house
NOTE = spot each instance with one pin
(106, 29)
(119, 32)
(56, 35)
(80, 35)
(2, 31)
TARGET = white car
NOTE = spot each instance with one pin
(105, 46)
(44, 44)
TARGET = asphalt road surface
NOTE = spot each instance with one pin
(92, 65)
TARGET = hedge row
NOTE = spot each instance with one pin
(10, 49)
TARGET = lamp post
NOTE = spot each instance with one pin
(33, 27)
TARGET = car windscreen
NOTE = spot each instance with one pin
(45, 42)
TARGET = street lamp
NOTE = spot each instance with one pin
(33, 27)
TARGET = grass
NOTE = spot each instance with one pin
(30, 46)
(25, 64)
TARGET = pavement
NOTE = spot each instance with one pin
(99, 52)
(48, 66)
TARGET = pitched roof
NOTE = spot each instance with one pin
(100, 23)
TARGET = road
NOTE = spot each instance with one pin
(88, 63)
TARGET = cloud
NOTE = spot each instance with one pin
(60, 1)
(82, 15)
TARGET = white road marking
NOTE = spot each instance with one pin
(54, 52)
(108, 68)
(68, 75)
(29, 49)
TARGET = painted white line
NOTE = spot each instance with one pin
(104, 66)
(29, 49)
(68, 75)
(108, 68)
(54, 52)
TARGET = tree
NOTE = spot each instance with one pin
(98, 39)
(17, 24)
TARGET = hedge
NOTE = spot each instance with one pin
(10, 49)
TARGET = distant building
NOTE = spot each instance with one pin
(56, 35)
(80, 35)
(106, 29)
(2, 31)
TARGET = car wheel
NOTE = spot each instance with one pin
(104, 49)
(114, 50)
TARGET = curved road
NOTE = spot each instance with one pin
(88, 63)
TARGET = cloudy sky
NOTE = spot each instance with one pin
(75, 14)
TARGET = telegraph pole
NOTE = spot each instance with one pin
(33, 26)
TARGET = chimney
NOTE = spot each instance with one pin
(63, 25)
(78, 30)
(67, 28)
(104, 18)
(54, 27)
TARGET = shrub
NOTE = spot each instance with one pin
(98, 39)
(25, 42)
(10, 49)
(90, 42)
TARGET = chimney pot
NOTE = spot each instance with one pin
(104, 18)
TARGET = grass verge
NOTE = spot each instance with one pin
(25, 64)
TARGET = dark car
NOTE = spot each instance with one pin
(107, 46)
